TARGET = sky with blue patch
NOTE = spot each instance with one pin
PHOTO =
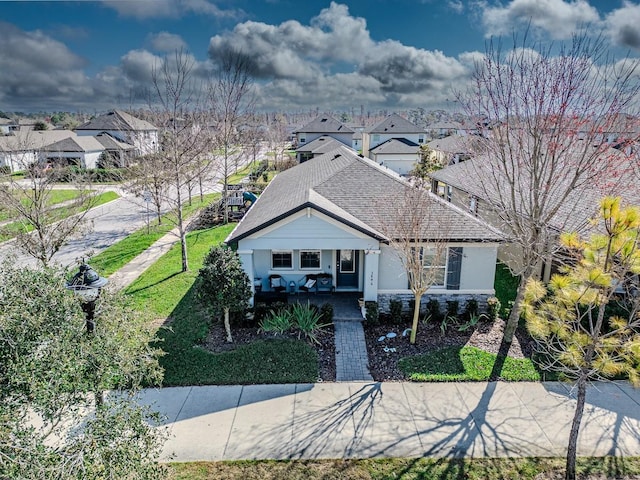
(331, 55)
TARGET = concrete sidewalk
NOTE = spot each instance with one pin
(364, 420)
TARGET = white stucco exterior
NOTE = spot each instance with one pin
(87, 159)
(145, 141)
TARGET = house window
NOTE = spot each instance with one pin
(281, 259)
(303, 140)
(434, 261)
(310, 259)
(421, 139)
(473, 205)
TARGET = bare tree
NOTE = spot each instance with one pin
(277, 138)
(40, 226)
(230, 101)
(185, 137)
(419, 238)
(549, 110)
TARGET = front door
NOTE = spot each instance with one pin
(347, 269)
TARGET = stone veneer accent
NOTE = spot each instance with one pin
(385, 299)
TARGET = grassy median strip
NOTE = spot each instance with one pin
(166, 293)
(461, 364)
(10, 230)
(119, 254)
(407, 469)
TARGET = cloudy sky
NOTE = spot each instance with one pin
(95, 55)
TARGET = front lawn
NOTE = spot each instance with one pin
(167, 294)
(407, 469)
(461, 364)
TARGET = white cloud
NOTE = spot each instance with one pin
(557, 18)
(334, 58)
(623, 25)
(166, 42)
(170, 8)
(456, 5)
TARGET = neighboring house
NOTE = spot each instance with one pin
(452, 149)
(125, 128)
(324, 125)
(8, 126)
(461, 185)
(397, 154)
(394, 126)
(314, 148)
(444, 129)
(76, 150)
(23, 148)
(356, 141)
(327, 216)
(116, 153)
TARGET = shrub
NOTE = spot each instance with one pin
(326, 312)
(306, 319)
(433, 311)
(470, 309)
(493, 308)
(452, 308)
(395, 310)
(5, 170)
(372, 314)
(277, 322)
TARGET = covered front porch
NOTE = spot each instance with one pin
(312, 272)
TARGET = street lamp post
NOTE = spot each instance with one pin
(86, 284)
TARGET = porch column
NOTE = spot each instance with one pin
(246, 257)
(371, 260)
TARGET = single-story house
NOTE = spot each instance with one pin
(80, 151)
(333, 216)
(24, 147)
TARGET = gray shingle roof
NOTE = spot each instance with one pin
(355, 191)
(322, 144)
(325, 124)
(398, 146)
(576, 209)
(116, 120)
(452, 144)
(75, 144)
(111, 143)
(393, 124)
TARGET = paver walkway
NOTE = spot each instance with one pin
(352, 361)
(394, 419)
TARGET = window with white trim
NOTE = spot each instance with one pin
(281, 259)
(309, 259)
(434, 261)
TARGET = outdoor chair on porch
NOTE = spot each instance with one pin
(325, 283)
(308, 284)
(277, 283)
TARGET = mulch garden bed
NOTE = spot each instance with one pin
(383, 360)
(385, 353)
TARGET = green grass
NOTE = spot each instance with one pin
(506, 287)
(459, 364)
(163, 291)
(54, 197)
(240, 174)
(406, 469)
(119, 254)
(10, 230)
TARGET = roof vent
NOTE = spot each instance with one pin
(337, 155)
(323, 120)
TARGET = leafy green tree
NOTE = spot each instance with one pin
(573, 321)
(50, 426)
(222, 285)
(429, 162)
